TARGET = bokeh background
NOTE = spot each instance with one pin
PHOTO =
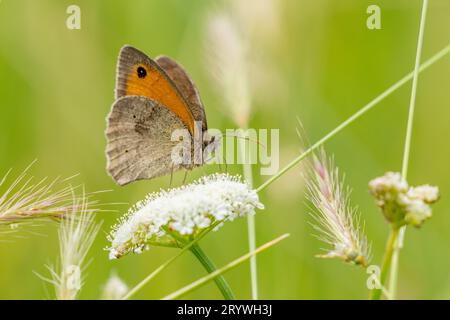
(317, 61)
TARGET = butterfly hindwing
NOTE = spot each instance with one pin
(139, 139)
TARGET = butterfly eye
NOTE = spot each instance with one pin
(141, 72)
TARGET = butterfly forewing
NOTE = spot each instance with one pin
(186, 86)
(139, 75)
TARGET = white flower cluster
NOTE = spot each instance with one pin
(183, 212)
(400, 203)
(426, 193)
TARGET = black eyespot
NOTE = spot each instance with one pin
(126, 151)
(141, 72)
(134, 116)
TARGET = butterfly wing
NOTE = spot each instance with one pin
(139, 75)
(186, 86)
(139, 133)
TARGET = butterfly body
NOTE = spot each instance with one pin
(154, 98)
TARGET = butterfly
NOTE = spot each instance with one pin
(154, 98)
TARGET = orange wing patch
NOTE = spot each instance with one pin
(149, 82)
(138, 75)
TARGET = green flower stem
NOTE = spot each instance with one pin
(394, 265)
(399, 244)
(376, 293)
(147, 279)
(198, 283)
(210, 267)
(248, 176)
(185, 248)
(206, 262)
(356, 115)
(413, 93)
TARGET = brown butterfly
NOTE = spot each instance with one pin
(153, 98)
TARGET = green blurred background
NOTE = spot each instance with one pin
(323, 64)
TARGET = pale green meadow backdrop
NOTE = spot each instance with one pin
(321, 63)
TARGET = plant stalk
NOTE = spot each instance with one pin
(158, 270)
(399, 244)
(355, 116)
(210, 267)
(248, 176)
(198, 283)
(376, 293)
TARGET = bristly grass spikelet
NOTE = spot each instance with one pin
(26, 199)
(337, 222)
(76, 234)
(227, 57)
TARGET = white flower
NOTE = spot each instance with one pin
(400, 203)
(417, 212)
(386, 187)
(427, 193)
(182, 213)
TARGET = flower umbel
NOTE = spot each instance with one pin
(177, 216)
(337, 222)
(400, 203)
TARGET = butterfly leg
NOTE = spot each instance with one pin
(171, 177)
(226, 165)
(185, 177)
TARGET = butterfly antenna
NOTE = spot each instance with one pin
(248, 139)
